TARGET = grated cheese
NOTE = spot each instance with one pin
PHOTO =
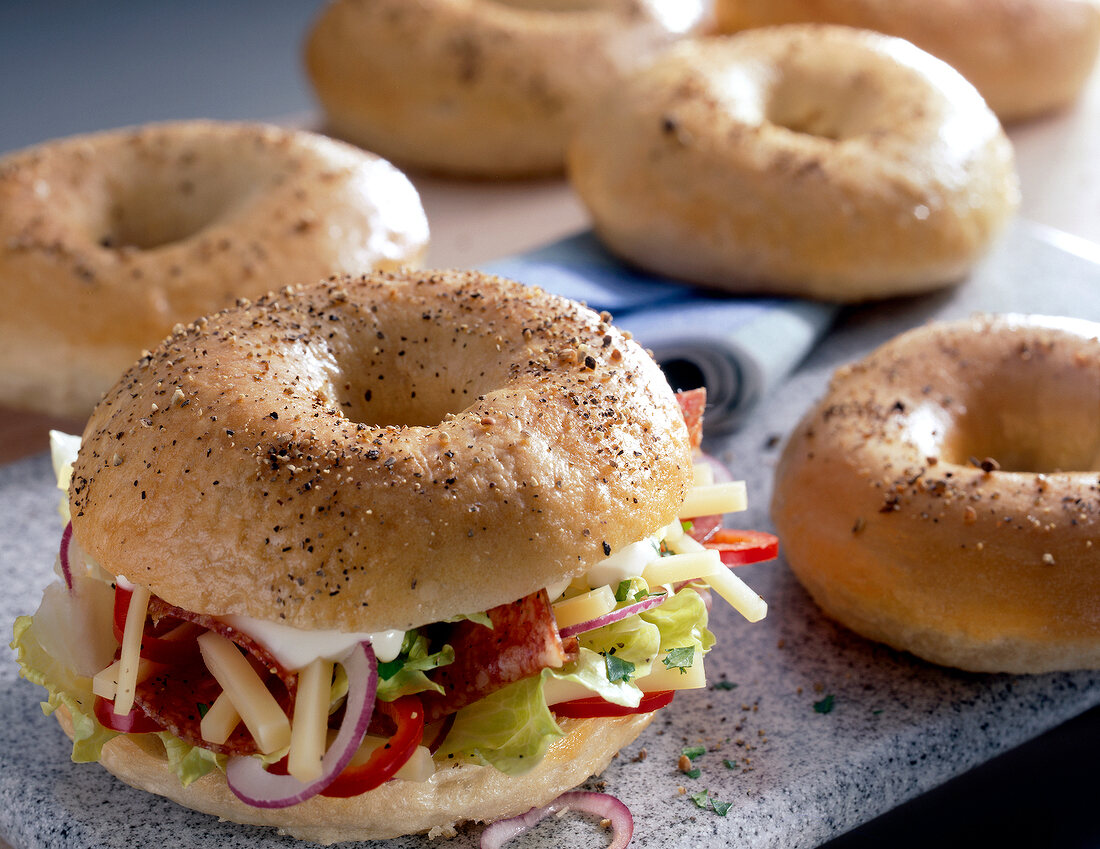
(714, 500)
(309, 730)
(739, 595)
(259, 711)
(129, 658)
(220, 721)
(693, 677)
(585, 606)
(683, 567)
(105, 682)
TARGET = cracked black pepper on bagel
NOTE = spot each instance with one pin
(353, 536)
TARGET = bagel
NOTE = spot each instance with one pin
(437, 394)
(1026, 57)
(942, 496)
(457, 794)
(109, 240)
(484, 88)
(803, 160)
(456, 488)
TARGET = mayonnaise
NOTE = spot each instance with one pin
(295, 648)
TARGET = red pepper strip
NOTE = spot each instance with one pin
(595, 706)
(408, 714)
(153, 646)
(134, 722)
(738, 548)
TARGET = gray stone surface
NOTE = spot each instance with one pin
(898, 726)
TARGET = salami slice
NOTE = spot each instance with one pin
(692, 403)
(524, 640)
(177, 698)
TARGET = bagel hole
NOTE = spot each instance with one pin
(151, 211)
(830, 108)
(416, 382)
(1037, 433)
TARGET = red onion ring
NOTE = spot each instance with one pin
(613, 616)
(255, 786)
(598, 804)
(63, 555)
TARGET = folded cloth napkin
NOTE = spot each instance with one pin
(739, 348)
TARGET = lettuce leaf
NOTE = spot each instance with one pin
(189, 762)
(590, 671)
(405, 674)
(682, 621)
(510, 729)
(64, 687)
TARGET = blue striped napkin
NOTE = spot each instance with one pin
(738, 347)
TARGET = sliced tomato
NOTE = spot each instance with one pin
(134, 722)
(738, 548)
(408, 715)
(595, 706)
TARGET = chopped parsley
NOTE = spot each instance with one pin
(687, 526)
(724, 685)
(729, 764)
(706, 802)
(680, 658)
(694, 772)
(693, 752)
(203, 709)
(825, 705)
(618, 669)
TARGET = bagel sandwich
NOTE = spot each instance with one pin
(271, 611)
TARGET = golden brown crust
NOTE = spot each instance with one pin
(988, 564)
(803, 160)
(108, 240)
(477, 87)
(458, 794)
(1026, 57)
(380, 452)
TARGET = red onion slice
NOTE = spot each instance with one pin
(63, 555)
(255, 786)
(601, 805)
(613, 616)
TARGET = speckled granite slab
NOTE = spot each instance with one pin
(797, 776)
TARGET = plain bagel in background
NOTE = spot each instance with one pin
(1026, 57)
(805, 160)
(109, 240)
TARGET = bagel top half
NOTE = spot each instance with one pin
(379, 452)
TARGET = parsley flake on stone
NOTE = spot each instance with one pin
(693, 752)
(825, 705)
(724, 685)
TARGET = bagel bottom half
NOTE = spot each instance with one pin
(461, 793)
